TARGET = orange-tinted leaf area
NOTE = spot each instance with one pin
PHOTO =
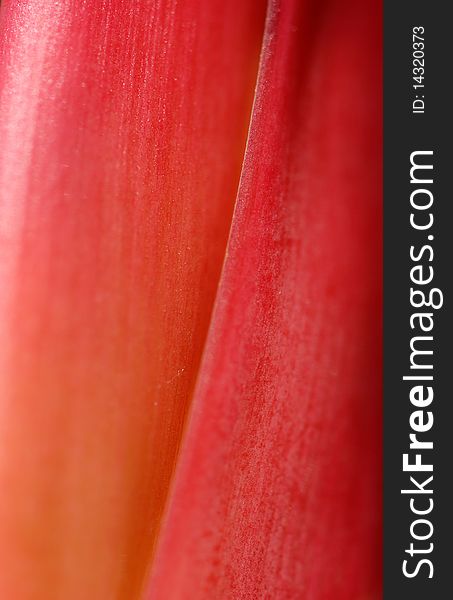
(122, 128)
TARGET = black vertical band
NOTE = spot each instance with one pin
(418, 270)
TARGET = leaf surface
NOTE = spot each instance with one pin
(123, 127)
(277, 493)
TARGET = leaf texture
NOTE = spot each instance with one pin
(277, 492)
(122, 128)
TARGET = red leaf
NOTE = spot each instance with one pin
(278, 489)
(123, 127)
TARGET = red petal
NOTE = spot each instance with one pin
(278, 491)
(123, 126)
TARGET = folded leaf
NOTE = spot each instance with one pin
(277, 492)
